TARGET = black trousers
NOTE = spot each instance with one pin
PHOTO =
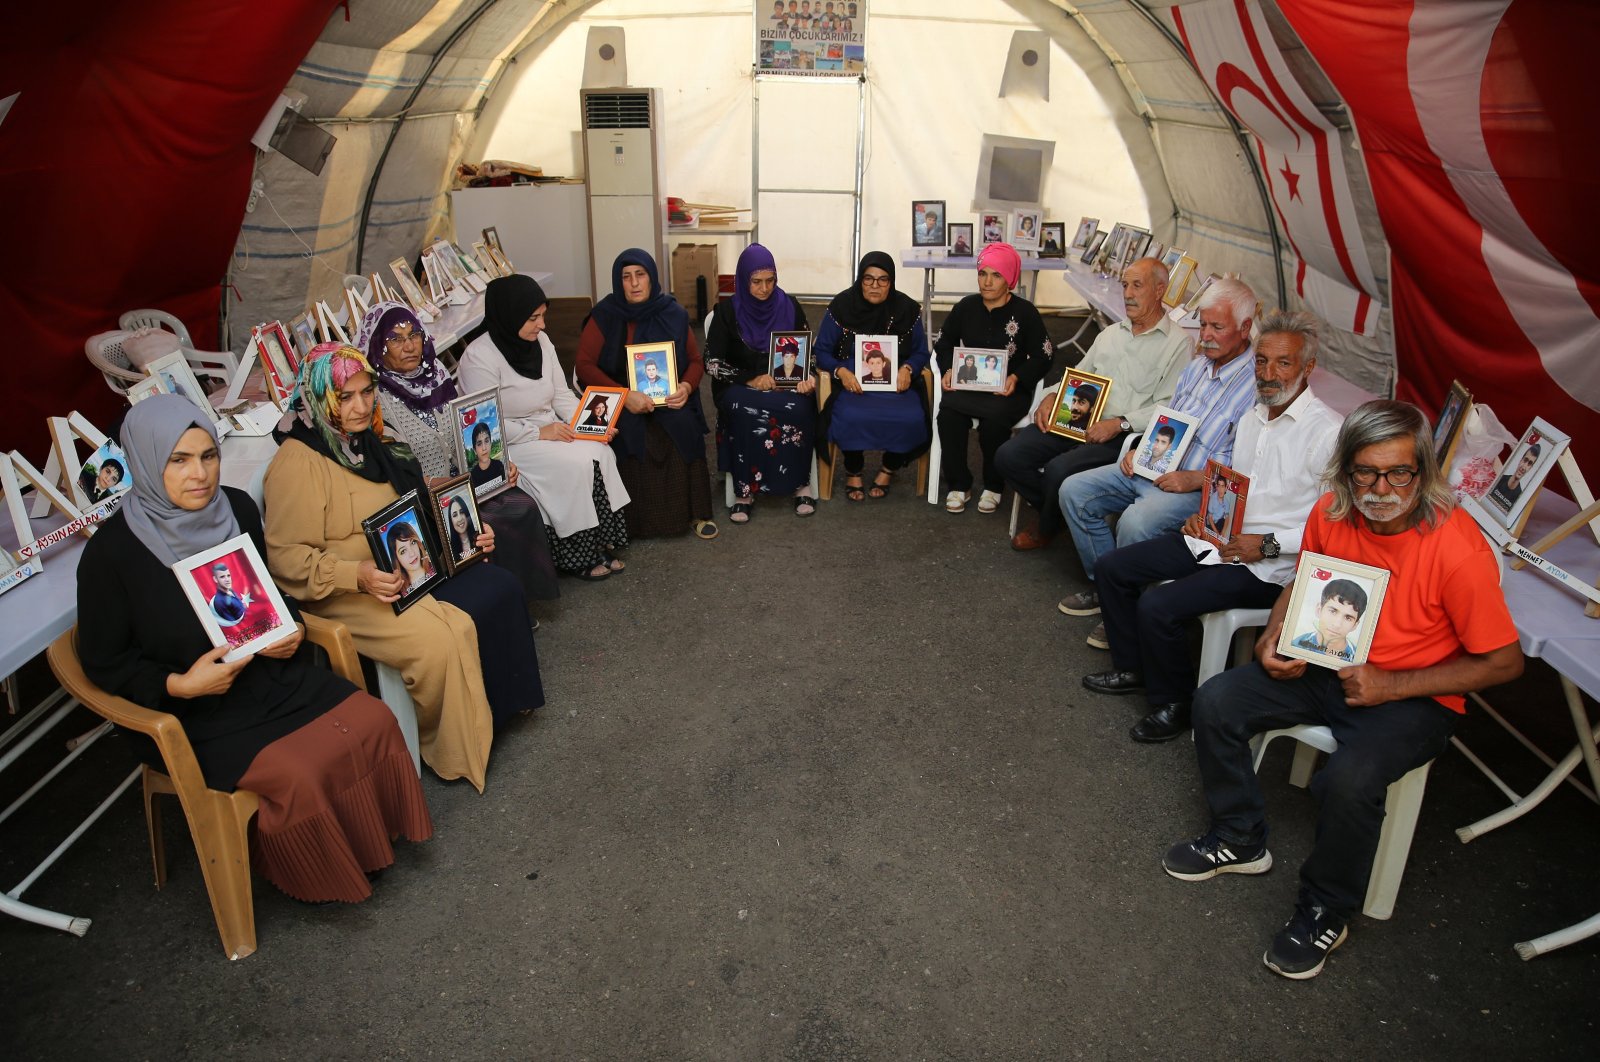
(1037, 463)
(855, 460)
(1147, 628)
(1377, 746)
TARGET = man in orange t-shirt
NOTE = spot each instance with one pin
(1443, 630)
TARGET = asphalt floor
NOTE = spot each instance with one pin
(822, 788)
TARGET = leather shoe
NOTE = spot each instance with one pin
(1114, 682)
(1163, 724)
(1027, 539)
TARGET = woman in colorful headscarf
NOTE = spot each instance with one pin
(328, 761)
(993, 319)
(465, 649)
(574, 477)
(661, 450)
(414, 392)
(765, 431)
(895, 422)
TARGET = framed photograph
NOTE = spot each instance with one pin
(1025, 226)
(653, 369)
(877, 362)
(480, 250)
(1447, 431)
(598, 411)
(401, 539)
(480, 443)
(1092, 251)
(1189, 313)
(1135, 240)
(1053, 239)
(273, 346)
(790, 354)
(1115, 241)
(411, 289)
(179, 379)
(959, 235)
(105, 474)
(1164, 443)
(150, 385)
(1080, 401)
(979, 369)
(455, 507)
(1178, 280)
(1222, 503)
(232, 594)
(927, 223)
(303, 332)
(1169, 258)
(991, 229)
(1510, 500)
(491, 238)
(1333, 611)
(1086, 230)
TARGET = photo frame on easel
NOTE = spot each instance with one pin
(328, 325)
(180, 380)
(426, 309)
(1452, 418)
(1510, 499)
(63, 468)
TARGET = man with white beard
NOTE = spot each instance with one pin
(1444, 630)
(1283, 445)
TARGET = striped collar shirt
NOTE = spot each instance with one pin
(1217, 398)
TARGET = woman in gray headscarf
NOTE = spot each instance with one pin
(322, 755)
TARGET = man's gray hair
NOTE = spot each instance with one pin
(1379, 421)
(1283, 323)
(1236, 293)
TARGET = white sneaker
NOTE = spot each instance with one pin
(988, 501)
(956, 501)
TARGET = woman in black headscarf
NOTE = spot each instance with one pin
(896, 421)
(328, 761)
(414, 390)
(574, 477)
(661, 450)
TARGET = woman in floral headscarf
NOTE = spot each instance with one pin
(465, 649)
(993, 319)
(414, 392)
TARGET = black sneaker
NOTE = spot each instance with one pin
(1206, 857)
(1302, 946)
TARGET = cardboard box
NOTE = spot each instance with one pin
(691, 262)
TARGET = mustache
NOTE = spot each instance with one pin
(1370, 498)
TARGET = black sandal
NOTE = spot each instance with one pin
(588, 574)
(808, 502)
(856, 492)
(881, 490)
(741, 513)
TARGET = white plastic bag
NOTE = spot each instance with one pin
(1482, 439)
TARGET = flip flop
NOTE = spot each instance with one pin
(706, 529)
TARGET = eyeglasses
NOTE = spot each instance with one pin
(1362, 476)
(401, 339)
(876, 282)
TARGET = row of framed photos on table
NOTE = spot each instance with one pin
(1026, 230)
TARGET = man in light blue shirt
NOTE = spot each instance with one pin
(1216, 388)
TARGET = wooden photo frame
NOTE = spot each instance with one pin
(1178, 280)
(958, 237)
(789, 359)
(1166, 439)
(1086, 230)
(979, 369)
(991, 228)
(927, 223)
(1080, 401)
(1510, 499)
(1053, 239)
(1222, 503)
(479, 440)
(1026, 229)
(1452, 417)
(1333, 611)
(401, 538)
(455, 507)
(598, 411)
(179, 379)
(653, 369)
(877, 362)
(233, 596)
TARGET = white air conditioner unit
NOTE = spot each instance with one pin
(622, 166)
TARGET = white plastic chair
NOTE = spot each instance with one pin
(105, 354)
(134, 320)
(221, 364)
(934, 447)
(391, 684)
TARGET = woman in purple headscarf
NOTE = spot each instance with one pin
(993, 319)
(766, 415)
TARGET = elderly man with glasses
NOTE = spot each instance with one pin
(1444, 631)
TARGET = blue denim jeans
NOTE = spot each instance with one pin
(1145, 511)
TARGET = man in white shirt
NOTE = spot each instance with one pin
(1144, 355)
(1283, 445)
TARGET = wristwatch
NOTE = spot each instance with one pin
(1126, 426)
(1269, 545)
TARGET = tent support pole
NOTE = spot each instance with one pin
(1244, 149)
(400, 120)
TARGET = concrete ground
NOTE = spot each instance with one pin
(819, 789)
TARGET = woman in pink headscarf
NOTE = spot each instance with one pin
(993, 319)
